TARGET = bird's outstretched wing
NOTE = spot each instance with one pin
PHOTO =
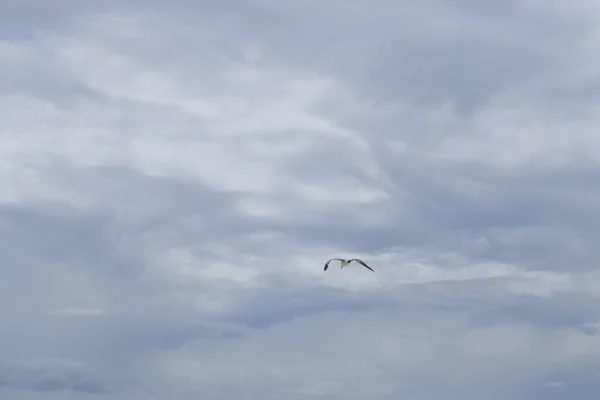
(327, 263)
(361, 262)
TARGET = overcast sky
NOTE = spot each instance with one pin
(174, 174)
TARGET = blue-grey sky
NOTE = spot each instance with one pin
(174, 174)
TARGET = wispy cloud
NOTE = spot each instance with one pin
(173, 176)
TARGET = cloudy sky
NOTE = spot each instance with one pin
(175, 173)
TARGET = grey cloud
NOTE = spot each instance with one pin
(174, 175)
(428, 53)
(53, 375)
(565, 382)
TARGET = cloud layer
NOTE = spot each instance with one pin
(173, 175)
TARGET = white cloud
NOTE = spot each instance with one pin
(173, 176)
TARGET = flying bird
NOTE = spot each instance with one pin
(345, 262)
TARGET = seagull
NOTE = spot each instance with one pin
(346, 262)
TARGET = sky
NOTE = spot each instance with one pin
(174, 175)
